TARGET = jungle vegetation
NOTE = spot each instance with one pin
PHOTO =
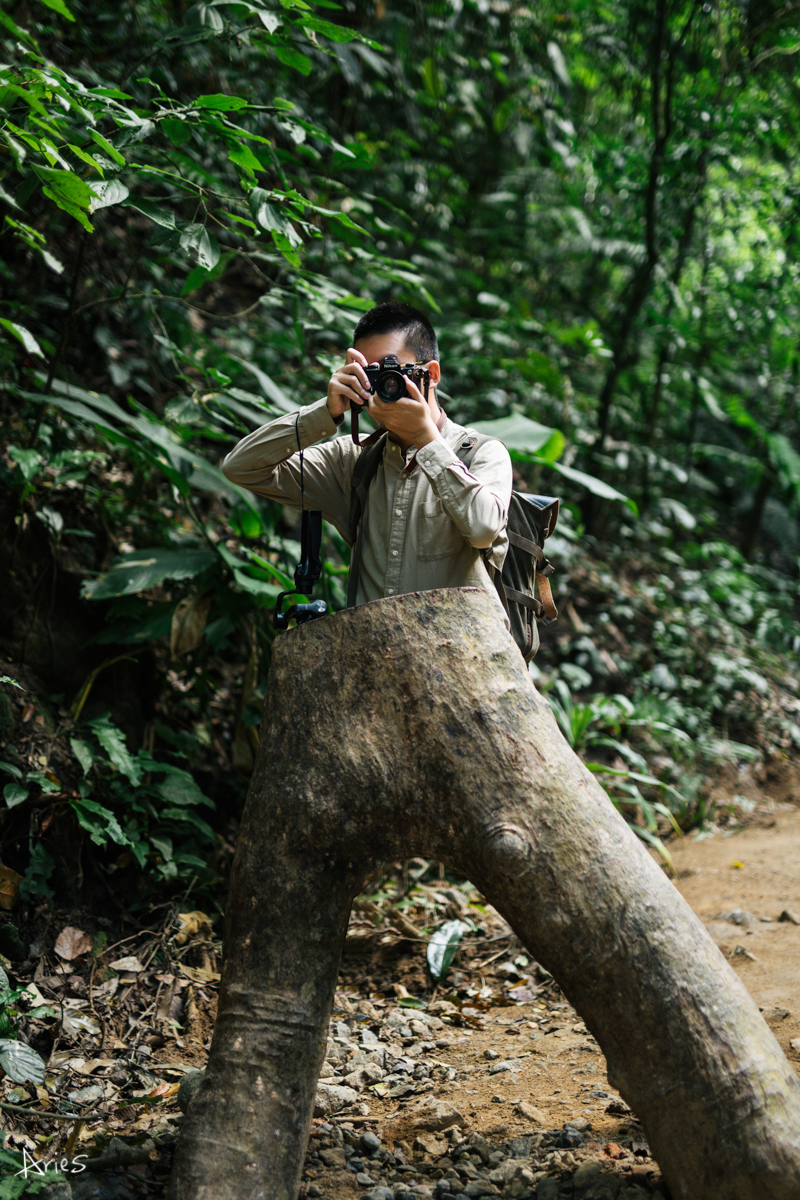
(599, 205)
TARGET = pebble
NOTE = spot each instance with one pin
(737, 916)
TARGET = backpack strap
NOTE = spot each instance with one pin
(544, 608)
(364, 471)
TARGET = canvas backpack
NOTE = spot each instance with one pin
(531, 520)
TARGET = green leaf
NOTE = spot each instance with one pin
(20, 1063)
(68, 191)
(293, 58)
(139, 570)
(243, 157)
(113, 742)
(5, 987)
(14, 794)
(597, 487)
(83, 752)
(161, 216)
(28, 461)
(206, 247)
(221, 103)
(60, 7)
(177, 130)
(111, 191)
(442, 947)
(23, 335)
(180, 788)
(518, 432)
(104, 144)
(99, 822)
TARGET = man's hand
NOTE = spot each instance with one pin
(408, 419)
(348, 384)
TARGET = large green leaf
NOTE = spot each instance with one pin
(520, 433)
(443, 945)
(139, 570)
(112, 740)
(21, 1063)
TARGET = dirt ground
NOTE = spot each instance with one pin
(502, 1045)
(745, 887)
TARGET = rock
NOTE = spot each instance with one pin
(363, 1179)
(521, 1147)
(380, 1193)
(479, 1144)
(490, 1054)
(531, 1113)
(569, 1139)
(547, 1189)
(59, 1189)
(370, 1142)
(788, 915)
(504, 1065)
(579, 1123)
(586, 1173)
(188, 1087)
(428, 1143)
(334, 1156)
(737, 916)
(363, 1076)
(480, 1187)
(434, 1116)
(795, 1045)
(332, 1098)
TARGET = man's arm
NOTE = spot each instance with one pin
(267, 463)
(476, 500)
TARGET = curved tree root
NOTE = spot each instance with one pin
(410, 726)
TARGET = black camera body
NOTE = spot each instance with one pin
(388, 379)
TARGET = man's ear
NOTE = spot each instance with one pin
(435, 372)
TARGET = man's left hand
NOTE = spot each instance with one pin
(409, 418)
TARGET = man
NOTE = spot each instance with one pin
(427, 518)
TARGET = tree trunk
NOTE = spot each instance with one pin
(410, 726)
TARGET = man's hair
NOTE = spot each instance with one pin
(396, 317)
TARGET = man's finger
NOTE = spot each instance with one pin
(356, 356)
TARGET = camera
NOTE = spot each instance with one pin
(388, 379)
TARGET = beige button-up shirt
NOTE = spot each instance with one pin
(424, 525)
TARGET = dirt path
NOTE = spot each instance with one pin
(756, 871)
(551, 1072)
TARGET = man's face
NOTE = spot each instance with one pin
(381, 345)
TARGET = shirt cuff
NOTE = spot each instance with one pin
(316, 423)
(436, 457)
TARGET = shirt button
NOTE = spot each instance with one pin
(394, 554)
(391, 591)
(398, 512)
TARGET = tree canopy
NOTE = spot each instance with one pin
(598, 205)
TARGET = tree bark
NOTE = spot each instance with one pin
(410, 726)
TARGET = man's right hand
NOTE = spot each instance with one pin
(348, 384)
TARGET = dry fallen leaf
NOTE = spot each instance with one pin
(9, 888)
(72, 943)
(129, 963)
(188, 623)
(200, 974)
(191, 924)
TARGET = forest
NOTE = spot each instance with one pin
(598, 206)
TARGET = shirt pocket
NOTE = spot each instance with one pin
(438, 535)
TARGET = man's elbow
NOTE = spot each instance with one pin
(486, 535)
(230, 468)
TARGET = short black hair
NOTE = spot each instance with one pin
(396, 317)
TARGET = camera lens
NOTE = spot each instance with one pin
(390, 386)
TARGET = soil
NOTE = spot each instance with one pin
(493, 1007)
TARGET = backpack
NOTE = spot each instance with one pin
(531, 520)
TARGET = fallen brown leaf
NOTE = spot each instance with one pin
(72, 943)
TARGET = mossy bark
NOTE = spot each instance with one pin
(410, 726)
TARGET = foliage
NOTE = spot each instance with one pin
(18, 1060)
(598, 204)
